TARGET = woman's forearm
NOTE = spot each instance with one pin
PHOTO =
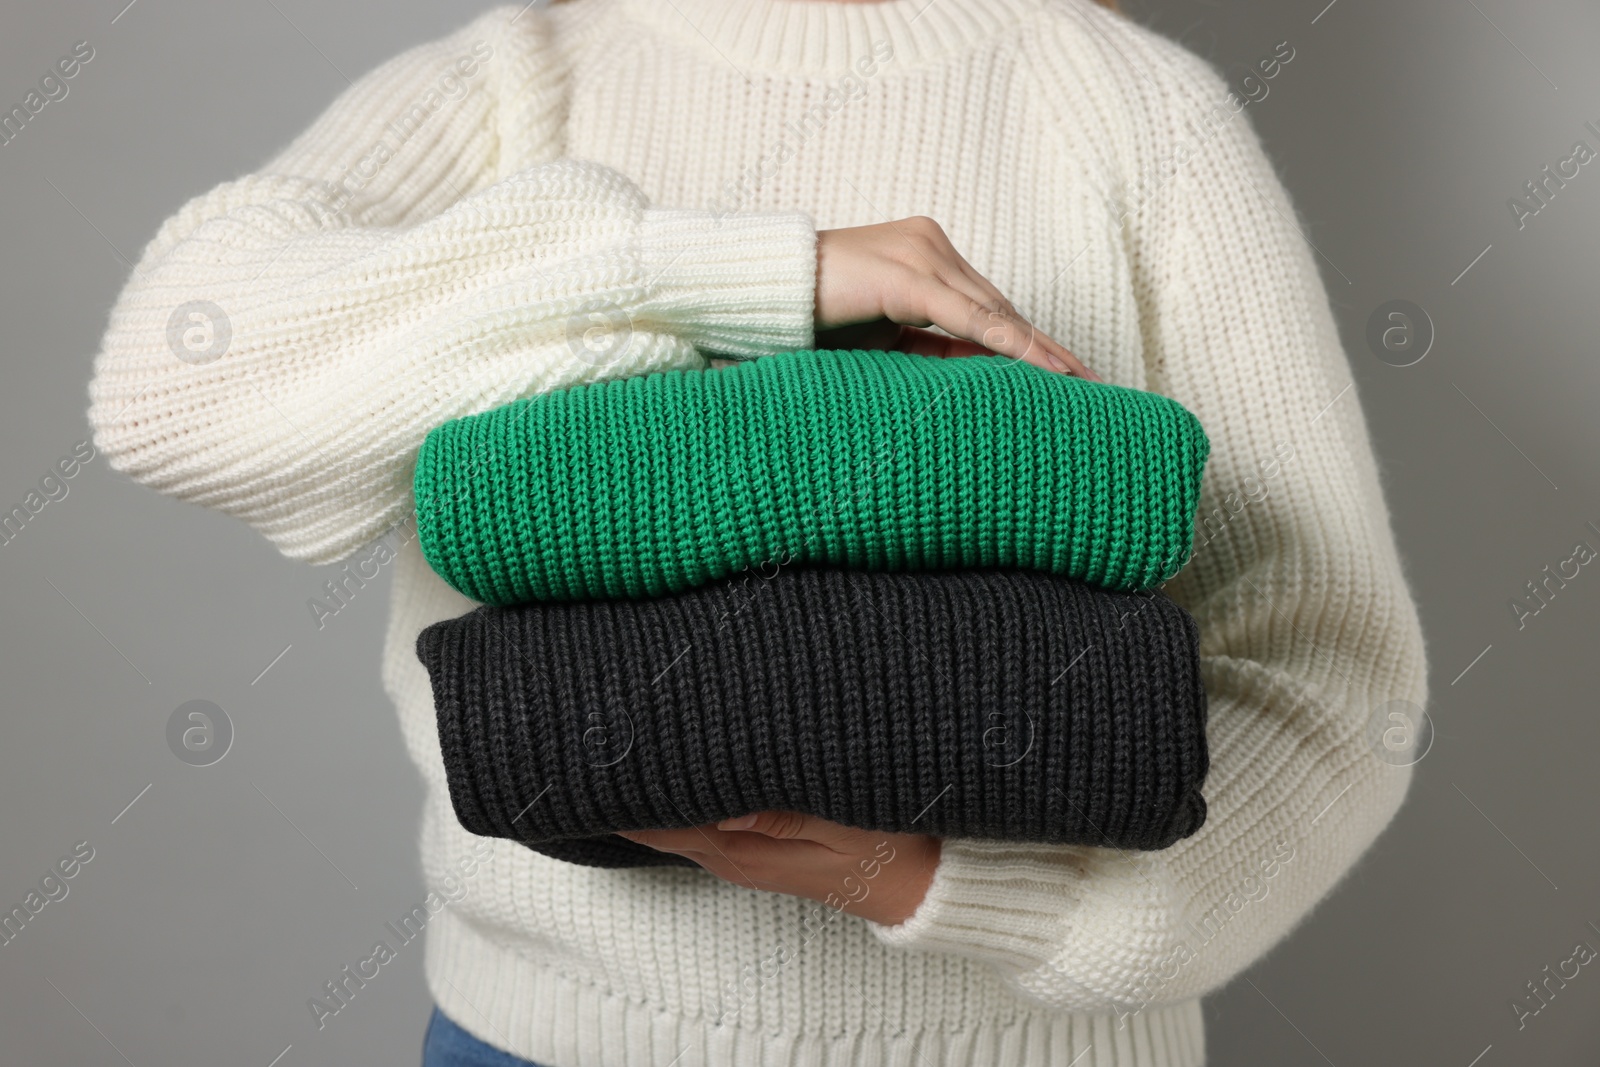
(283, 347)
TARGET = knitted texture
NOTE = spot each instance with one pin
(671, 162)
(879, 460)
(995, 704)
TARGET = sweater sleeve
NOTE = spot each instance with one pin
(1306, 622)
(423, 251)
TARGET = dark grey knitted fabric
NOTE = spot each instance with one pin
(1001, 704)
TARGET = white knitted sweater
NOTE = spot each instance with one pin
(441, 239)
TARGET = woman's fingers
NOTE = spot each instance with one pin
(740, 834)
(880, 876)
(1057, 354)
(998, 306)
(1009, 334)
(908, 274)
(1000, 321)
(999, 332)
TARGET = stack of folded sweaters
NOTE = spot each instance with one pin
(897, 592)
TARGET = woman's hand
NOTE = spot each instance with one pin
(877, 285)
(878, 876)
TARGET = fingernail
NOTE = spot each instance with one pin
(1061, 368)
(742, 822)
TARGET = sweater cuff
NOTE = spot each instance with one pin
(740, 285)
(1016, 907)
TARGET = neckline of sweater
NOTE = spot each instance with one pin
(821, 36)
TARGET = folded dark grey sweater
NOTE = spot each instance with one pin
(991, 703)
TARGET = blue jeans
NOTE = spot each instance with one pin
(447, 1045)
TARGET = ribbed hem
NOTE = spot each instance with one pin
(790, 35)
(515, 1004)
(737, 284)
(959, 914)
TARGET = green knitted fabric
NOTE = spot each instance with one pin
(641, 486)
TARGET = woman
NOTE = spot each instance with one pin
(612, 187)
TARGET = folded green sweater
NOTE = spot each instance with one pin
(875, 460)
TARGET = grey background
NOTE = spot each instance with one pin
(225, 896)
